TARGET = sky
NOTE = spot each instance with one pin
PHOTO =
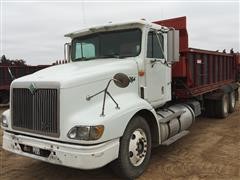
(34, 30)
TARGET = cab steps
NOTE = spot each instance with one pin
(175, 138)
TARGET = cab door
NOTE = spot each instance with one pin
(155, 68)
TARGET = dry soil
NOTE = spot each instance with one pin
(211, 151)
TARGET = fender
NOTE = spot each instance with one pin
(115, 120)
(221, 91)
(82, 112)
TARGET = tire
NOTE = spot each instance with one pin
(210, 108)
(4, 97)
(232, 101)
(135, 149)
(222, 106)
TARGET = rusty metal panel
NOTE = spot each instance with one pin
(207, 70)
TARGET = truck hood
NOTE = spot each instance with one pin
(78, 73)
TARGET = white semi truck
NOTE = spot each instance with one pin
(112, 103)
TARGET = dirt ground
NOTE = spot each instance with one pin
(210, 151)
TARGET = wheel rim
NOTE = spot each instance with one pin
(225, 104)
(232, 96)
(137, 147)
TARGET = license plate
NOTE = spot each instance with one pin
(36, 151)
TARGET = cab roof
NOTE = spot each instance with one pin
(112, 26)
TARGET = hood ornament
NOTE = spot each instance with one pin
(121, 80)
(32, 88)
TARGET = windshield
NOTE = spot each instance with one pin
(113, 44)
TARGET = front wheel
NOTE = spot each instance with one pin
(135, 149)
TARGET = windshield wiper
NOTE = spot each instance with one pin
(112, 56)
(84, 59)
(80, 59)
(103, 56)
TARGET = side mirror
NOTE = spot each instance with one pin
(121, 80)
(67, 52)
(173, 46)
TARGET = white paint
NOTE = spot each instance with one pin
(78, 80)
(77, 156)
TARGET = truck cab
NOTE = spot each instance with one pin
(110, 104)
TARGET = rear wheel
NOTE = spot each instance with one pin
(222, 106)
(232, 101)
(210, 108)
(135, 149)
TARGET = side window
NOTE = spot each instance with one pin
(154, 50)
(150, 45)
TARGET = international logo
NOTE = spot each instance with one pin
(32, 88)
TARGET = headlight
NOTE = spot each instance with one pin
(72, 133)
(86, 132)
(4, 121)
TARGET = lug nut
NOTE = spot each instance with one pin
(131, 154)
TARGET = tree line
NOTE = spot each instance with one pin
(6, 61)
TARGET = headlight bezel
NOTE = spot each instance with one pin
(86, 133)
(4, 121)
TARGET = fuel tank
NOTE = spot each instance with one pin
(175, 119)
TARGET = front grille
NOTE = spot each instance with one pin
(36, 112)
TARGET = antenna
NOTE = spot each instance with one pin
(10, 73)
(83, 13)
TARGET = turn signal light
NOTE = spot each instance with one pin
(141, 73)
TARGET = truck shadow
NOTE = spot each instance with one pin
(60, 172)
